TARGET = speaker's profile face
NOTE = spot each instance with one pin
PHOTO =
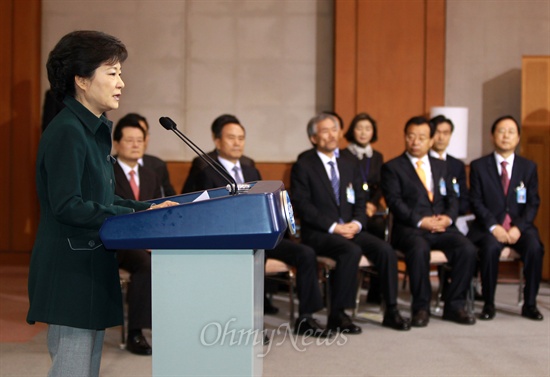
(231, 143)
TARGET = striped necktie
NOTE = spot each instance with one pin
(334, 181)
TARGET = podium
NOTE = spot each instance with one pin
(207, 275)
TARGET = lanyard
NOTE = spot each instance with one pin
(365, 173)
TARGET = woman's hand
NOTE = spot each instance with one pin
(167, 203)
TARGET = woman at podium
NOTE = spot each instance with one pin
(74, 284)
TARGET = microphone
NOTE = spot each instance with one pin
(169, 124)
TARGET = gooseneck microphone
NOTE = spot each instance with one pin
(169, 124)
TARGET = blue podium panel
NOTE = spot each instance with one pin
(207, 312)
(252, 219)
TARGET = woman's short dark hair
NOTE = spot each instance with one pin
(350, 136)
(500, 119)
(80, 53)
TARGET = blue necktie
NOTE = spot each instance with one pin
(334, 181)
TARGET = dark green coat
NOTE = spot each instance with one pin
(73, 279)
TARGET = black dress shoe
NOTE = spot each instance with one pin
(138, 345)
(393, 320)
(531, 312)
(460, 316)
(487, 313)
(308, 326)
(341, 322)
(420, 318)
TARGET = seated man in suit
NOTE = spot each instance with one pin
(198, 164)
(328, 197)
(134, 181)
(415, 186)
(152, 162)
(229, 137)
(505, 199)
(444, 128)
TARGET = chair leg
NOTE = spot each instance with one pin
(124, 287)
(360, 277)
(470, 297)
(292, 282)
(442, 275)
(326, 271)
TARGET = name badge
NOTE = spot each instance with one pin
(442, 187)
(521, 193)
(456, 187)
(350, 194)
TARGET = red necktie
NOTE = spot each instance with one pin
(133, 184)
(505, 184)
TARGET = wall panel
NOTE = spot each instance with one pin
(400, 50)
(19, 121)
(6, 7)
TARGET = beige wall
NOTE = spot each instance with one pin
(268, 62)
(485, 42)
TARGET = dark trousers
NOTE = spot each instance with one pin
(531, 250)
(347, 254)
(303, 258)
(138, 264)
(461, 254)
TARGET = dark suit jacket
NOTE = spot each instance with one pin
(407, 197)
(457, 171)
(73, 279)
(313, 197)
(208, 178)
(487, 198)
(192, 184)
(373, 178)
(159, 167)
(149, 184)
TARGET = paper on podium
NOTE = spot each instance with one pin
(203, 196)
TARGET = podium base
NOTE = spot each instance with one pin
(207, 312)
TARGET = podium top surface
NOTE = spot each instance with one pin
(254, 219)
